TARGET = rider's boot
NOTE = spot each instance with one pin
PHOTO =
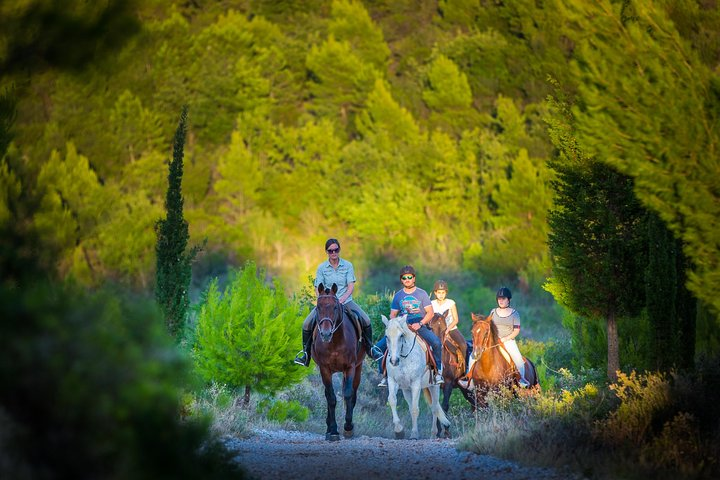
(303, 356)
(523, 383)
(383, 382)
(373, 351)
(439, 380)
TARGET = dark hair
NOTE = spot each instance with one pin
(330, 241)
(440, 285)
(504, 292)
(407, 269)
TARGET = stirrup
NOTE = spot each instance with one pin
(302, 358)
(375, 353)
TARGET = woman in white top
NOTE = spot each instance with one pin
(442, 304)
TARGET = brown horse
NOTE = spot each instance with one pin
(491, 369)
(336, 348)
(454, 354)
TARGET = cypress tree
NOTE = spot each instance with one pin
(660, 287)
(173, 262)
(597, 239)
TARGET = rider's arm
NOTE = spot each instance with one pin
(428, 315)
(455, 317)
(394, 313)
(348, 292)
(515, 332)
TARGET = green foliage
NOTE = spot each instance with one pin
(448, 87)
(91, 387)
(281, 411)
(173, 262)
(247, 334)
(630, 58)
(39, 34)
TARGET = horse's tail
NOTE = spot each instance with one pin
(439, 412)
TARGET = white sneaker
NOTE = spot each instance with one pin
(439, 380)
(523, 383)
(383, 383)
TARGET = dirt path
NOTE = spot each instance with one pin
(303, 455)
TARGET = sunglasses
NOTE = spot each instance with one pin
(407, 277)
(333, 250)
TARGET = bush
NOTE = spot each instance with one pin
(280, 411)
(91, 389)
(247, 336)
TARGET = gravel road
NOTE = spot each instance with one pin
(302, 456)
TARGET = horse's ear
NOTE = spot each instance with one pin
(385, 320)
(475, 317)
(321, 289)
(334, 288)
(445, 313)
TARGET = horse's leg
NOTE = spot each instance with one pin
(392, 400)
(414, 408)
(331, 433)
(447, 392)
(349, 394)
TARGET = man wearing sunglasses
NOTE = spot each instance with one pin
(414, 302)
(340, 272)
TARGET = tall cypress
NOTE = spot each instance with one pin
(173, 271)
(597, 237)
(660, 288)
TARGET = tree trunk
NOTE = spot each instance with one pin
(246, 398)
(613, 347)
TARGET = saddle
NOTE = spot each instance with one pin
(355, 318)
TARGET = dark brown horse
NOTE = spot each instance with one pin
(453, 359)
(491, 369)
(336, 349)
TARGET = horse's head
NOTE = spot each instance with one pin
(395, 329)
(481, 330)
(329, 312)
(438, 324)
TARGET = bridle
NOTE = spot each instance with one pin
(486, 339)
(403, 342)
(336, 307)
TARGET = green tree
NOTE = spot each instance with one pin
(597, 238)
(246, 334)
(630, 58)
(173, 272)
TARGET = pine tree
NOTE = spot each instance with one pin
(246, 334)
(173, 262)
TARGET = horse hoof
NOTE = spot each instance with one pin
(348, 433)
(414, 437)
(446, 434)
(332, 437)
(400, 435)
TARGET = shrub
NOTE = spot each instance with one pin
(247, 335)
(91, 389)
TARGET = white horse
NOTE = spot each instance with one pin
(407, 369)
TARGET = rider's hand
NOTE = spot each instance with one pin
(415, 326)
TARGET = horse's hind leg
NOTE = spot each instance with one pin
(331, 433)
